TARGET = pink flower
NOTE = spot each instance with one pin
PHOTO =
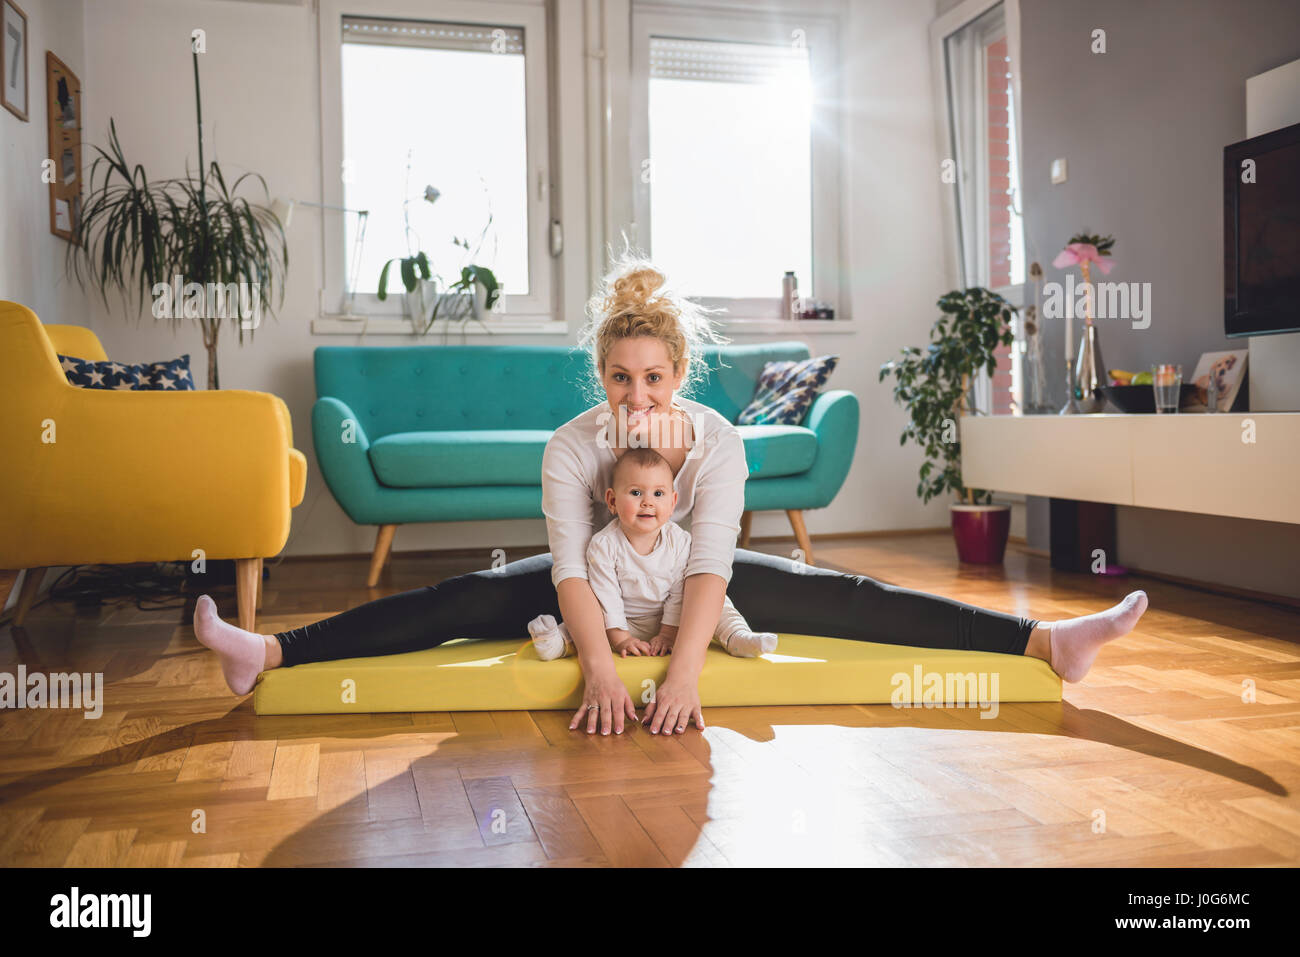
(1076, 253)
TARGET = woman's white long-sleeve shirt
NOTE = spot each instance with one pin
(578, 466)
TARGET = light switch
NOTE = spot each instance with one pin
(1059, 174)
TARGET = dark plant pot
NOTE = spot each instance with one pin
(981, 532)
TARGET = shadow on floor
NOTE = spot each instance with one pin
(347, 833)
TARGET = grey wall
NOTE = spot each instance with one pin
(1143, 128)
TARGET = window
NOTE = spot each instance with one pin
(438, 130)
(980, 113)
(734, 151)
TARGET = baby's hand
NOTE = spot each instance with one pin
(624, 644)
(662, 644)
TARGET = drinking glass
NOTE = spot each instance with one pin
(1167, 380)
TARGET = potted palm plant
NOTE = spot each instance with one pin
(934, 386)
(194, 239)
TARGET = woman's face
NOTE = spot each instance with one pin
(639, 381)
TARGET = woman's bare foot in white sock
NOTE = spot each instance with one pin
(242, 653)
(1076, 641)
(750, 644)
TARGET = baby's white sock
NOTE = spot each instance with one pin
(551, 640)
(749, 644)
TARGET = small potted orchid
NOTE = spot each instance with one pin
(1088, 373)
(471, 296)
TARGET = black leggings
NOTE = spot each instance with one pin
(773, 593)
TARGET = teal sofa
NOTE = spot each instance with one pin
(422, 433)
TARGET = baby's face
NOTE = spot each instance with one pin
(644, 498)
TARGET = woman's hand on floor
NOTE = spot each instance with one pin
(675, 703)
(605, 701)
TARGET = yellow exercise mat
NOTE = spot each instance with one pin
(506, 675)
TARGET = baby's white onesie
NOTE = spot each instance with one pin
(639, 592)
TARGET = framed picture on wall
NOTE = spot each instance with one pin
(63, 107)
(13, 59)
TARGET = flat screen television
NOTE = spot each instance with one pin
(1261, 234)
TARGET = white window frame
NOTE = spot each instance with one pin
(822, 33)
(940, 29)
(538, 306)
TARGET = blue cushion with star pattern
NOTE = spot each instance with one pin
(173, 375)
(786, 391)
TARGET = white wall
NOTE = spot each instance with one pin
(894, 256)
(31, 257)
(261, 113)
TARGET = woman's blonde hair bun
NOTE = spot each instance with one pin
(635, 299)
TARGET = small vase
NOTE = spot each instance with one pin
(419, 302)
(1071, 406)
(1090, 372)
(1035, 379)
(478, 303)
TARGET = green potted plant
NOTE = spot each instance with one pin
(472, 295)
(184, 243)
(417, 279)
(934, 385)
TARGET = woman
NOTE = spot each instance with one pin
(642, 338)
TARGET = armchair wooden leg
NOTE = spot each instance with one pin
(801, 534)
(746, 520)
(8, 578)
(31, 584)
(260, 566)
(26, 595)
(247, 572)
(383, 544)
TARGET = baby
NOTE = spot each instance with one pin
(636, 566)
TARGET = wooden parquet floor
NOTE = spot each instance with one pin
(1156, 760)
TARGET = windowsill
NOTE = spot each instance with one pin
(799, 327)
(392, 326)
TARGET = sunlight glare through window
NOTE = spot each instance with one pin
(730, 176)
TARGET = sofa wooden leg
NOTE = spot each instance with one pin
(27, 594)
(246, 572)
(383, 544)
(801, 534)
(260, 566)
(746, 520)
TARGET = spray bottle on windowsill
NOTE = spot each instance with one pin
(789, 296)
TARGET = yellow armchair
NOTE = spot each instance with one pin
(94, 476)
